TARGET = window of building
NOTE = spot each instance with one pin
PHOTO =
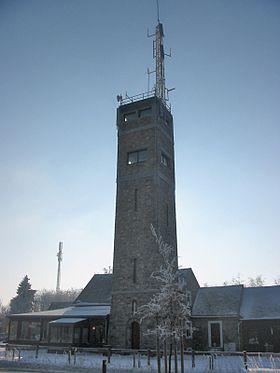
(164, 160)
(134, 274)
(189, 298)
(188, 329)
(145, 112)
(127, 117)
(30, 330)
(61, 334)
(135, 199)
(134, 307)
(215, 334)
(13, 330)
(137, 156)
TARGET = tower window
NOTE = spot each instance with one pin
(145, 112)
(130, 116)
(134, 307)
(137, 157)
(164, 160)
(135, 199)
(134, 270)
(189, 298)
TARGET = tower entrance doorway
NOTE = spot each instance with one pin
(135, 335)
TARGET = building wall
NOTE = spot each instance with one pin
(230, 333)
(145, 196)
(261, 335)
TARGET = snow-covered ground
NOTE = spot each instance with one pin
(93, 362)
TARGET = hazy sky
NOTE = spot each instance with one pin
(62, 64)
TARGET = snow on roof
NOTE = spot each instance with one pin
(261, 303)
(73, 311)
(218, 301)
(67, 320)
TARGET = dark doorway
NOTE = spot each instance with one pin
(215, 335)
(135, 335)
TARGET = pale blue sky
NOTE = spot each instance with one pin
(62, 64)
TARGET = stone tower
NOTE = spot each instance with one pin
(145, 196)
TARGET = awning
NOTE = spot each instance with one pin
(67, 321)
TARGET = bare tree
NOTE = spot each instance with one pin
(256, 282)
(44, 297)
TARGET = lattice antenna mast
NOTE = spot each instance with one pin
(159, 56)
(59, 259)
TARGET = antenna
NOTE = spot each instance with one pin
(158, 54)
(59, 259)
(157, 11)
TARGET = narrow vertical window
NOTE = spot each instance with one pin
(134, 307)
(134, 270)
(135, 199)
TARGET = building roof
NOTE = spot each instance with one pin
(261, 303)
(72, 312)
(98, 290)
(187, 275)
(218, 301)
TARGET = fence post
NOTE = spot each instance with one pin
(245, 358)
(19, 354)
(134, 360)
(211, 362)
(193, 359)
(139, 360)
(104, 367)
(109, 355)
(69, 355)
(37, 352)
(149, 357)
(75, 355)
(13, 355)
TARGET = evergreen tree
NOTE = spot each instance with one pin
(24, 300)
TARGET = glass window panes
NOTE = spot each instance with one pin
(164, 160)
(137, 156)
(130, 116)
(145, 112)
(132, 157)
(142, 155)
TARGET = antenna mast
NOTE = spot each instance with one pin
(59, 259)
(158, 54)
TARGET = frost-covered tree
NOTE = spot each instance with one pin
(168, 308)
(24, 300)
(3, 320)
(256, 282)
(44, 298)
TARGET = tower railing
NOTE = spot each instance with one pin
(141, 96)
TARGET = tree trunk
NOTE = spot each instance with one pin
(175, 356)
(165, 356)
(182, 353)
(170, 356)
(158, 353)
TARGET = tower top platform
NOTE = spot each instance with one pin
(141, 96)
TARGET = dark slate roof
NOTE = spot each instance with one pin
(187, 275)
(218, 301)
(97, 291)
(189, 282)
(261, 303)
